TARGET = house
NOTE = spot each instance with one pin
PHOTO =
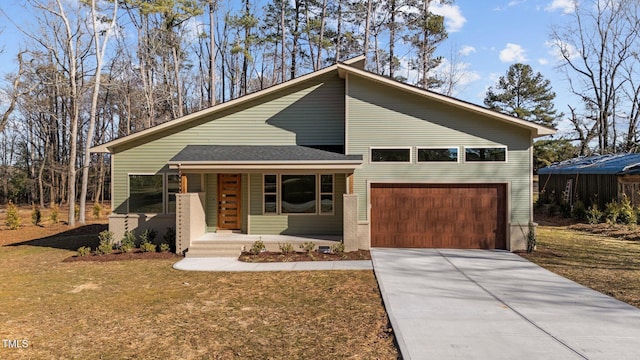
(598, 179)
(338, 154)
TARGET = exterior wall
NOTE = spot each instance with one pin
(294, 116)
(295, 224)
(190, 223)
(138, 223)
(384, 117)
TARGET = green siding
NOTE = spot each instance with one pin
(296, 224)
(381, 116)
(294, 116)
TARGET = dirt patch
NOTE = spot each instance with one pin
(269, 256)
(117, 256)
(87, 286)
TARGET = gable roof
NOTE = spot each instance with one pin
(614, 164)
(350, 67)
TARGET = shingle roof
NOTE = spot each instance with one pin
(257, 153)
(617, 164)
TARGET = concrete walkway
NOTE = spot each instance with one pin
(474, 304)
(233, 265)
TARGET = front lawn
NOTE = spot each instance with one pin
(605, 264)
(145, 309)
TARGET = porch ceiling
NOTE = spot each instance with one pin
(261, 157)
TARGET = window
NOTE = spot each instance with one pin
(402, 155)
(438, 154)
(485, 154)
(326, 194)
(298, 194)
(147, 193)
(270, 194)
(173, 187)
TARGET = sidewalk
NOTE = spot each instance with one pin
(233, 265)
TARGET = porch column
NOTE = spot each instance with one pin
(190, 219)
(350, 222)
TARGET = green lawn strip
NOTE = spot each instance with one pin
(605, 264)
(145, 309)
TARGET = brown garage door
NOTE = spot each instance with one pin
(460, 216)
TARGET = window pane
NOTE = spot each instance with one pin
(171, 206)
(145, 193)
(270, 204)
(450, 154)
(390, 155)
(270, 183)
(326, 203)
(173, 183)
(485, 154)
(298, 194)
(326, 183)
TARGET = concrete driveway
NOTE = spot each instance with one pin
(475, 304)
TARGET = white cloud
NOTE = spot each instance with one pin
(567, 6)
(558, 49)
(513, 53)
(453, 18)
(543, 61)
(467, 50)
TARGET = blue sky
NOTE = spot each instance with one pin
(487, 35)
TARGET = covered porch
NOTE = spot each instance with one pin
(232, 196)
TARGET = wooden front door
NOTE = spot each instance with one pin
(229, 201)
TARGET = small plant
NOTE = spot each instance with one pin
(338, 248)
(128, 242)
(36, 215)
(286, 248)
(170, 238)
(148, 247)
(579, 211)
(308, 246)
(97, 211)
(53, 216)
(257, 247)
(612, 212)
(627, 213)
(530, 236)
(148, 235)
(594, 215)
(84, 251)
(76, 211)
(164, 247)
(13, 219)
(105, 246)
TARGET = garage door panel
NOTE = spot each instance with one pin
(438, 215)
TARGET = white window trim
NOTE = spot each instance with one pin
(418, 148)
(506, 154)
(165, 191)
(371, 148)
(278, 194)
(333, 194)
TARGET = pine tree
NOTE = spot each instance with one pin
(523, 94)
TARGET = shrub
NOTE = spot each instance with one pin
(257, 247)
(76, 211)
(308, 246)
(627, 212)
(13, 219)
(338, 248)
(148, 247)
(105, 245)
(128, 242)
(531, 238)
(53, 216)
(170, 238)
(36, 215)
(148, 235)
(164, 247)
(612, 212)
(594, 215)
(286, 248)
(579, 211)
(97, 211)
(84, 251)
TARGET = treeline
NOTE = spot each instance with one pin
(91, 71)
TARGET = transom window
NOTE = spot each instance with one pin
(485, 154)
(438, 154)
(152, 194)
(398, 155)
(298, 194)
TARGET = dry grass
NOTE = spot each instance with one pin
(145, 309)
(605, 264)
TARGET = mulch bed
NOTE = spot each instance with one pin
(116, 256)
(269, 256)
